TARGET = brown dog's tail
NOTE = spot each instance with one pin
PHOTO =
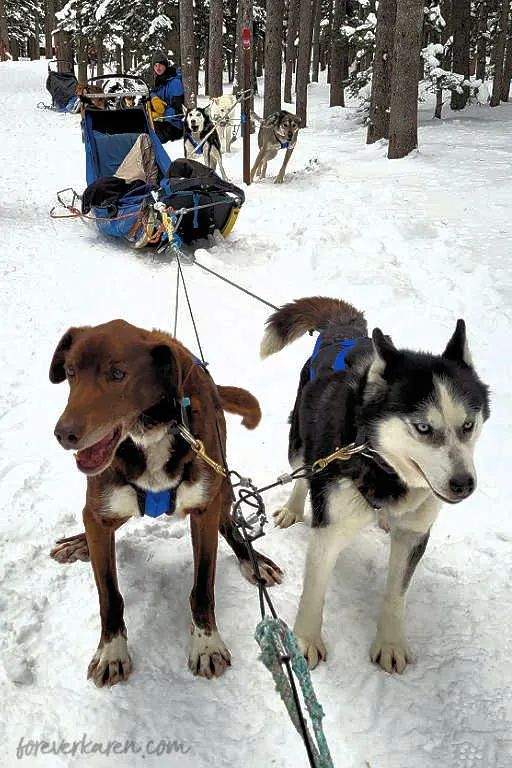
(297, 318)
(236, 400)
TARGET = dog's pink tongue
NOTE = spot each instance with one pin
(96, 455)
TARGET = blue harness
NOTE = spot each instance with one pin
(330, 355)
(195, 144)
(156, 503)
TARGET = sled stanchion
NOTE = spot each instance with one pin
(245, 118)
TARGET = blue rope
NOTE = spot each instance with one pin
(271, 633)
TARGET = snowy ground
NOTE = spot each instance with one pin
(417, 243)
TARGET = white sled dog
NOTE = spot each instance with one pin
(221, 112)
(416, 417)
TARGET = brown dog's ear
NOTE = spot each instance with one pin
(167, 368)
(57, 369)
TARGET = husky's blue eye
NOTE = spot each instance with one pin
(70, 371)
(468, 425)
(422, 428)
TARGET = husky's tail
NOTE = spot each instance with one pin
(237, 400)
(297, 318)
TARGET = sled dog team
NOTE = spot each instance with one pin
(206, 129)
(142, 412)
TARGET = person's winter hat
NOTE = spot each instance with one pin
(159, 58)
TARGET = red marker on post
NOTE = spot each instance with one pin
(246, 103)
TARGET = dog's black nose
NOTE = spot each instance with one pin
(462, 485)
(68, 435)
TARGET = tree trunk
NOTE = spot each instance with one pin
(188, 51)
(338, 55)
(499, 52)
(4, 35)
(481, 47)
(304, 58)
(461, 17)
(403, 119)
(317, 18)
(64, 50)
(81, 55)
(215, 57)
(273, 57)
(100, 70)
(507, 69)
(244, 19)
(378, 127)
(291, 51)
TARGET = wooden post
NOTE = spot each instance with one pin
(246, 104)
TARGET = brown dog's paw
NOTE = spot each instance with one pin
(208, 656)
(111, 663)
(71, 549)
(269, 571)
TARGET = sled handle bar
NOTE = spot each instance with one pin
(110, 95)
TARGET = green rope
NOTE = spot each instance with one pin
(271, 633)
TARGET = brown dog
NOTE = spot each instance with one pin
(129, 389)
(86, 91)
(278, 131)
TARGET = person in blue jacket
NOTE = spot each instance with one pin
(167, 107)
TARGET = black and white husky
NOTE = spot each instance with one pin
(201, 140)
(418, 417)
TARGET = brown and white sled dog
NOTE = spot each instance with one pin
(128, 392)
(201, 140)
(418, 415)
(277, 131)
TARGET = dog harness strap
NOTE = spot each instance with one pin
(195, 144)
(155, 503)
(335, 358)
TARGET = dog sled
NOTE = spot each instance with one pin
(134, 190)
(61, 84)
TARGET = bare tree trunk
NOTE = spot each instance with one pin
(215, 57)
(49, 26)
(4, 35)
(188, 51)
(64, 50)
(403, 119)
(81, 55)
(244, 19)
(100, 55)
(507, 69)
(127, 56)
(338, 55)
(461, 17)
(273, 57)
(481, 46)
(378, 127)
(291, 51)
(304, 58)
(499, 52)
(317, 18)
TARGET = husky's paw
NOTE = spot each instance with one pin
(111, 663)
(208, 656)
(391, 656)
(71, 549)
(313, 650)
(285, 517)
(269, 571)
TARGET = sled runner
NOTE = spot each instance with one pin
(134, 190)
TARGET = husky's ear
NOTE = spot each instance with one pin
(184, 109)
(385, 354)
(58, 364)
(457, 348)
